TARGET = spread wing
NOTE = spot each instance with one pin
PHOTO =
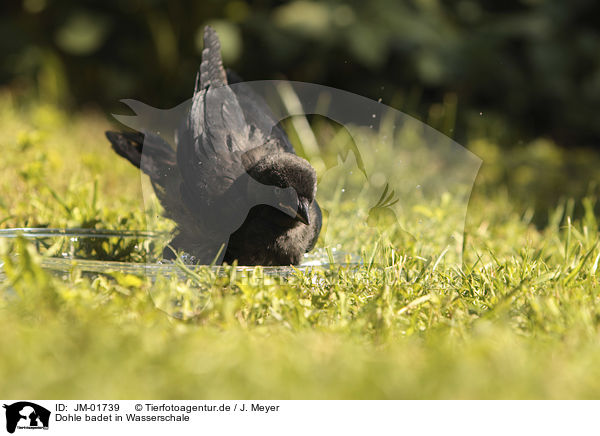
(258, 114)
(224, 123)
(203, 184)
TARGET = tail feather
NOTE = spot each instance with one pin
(211, 71)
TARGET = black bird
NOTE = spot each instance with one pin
(234, 185)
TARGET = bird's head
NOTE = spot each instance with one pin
(285, 182)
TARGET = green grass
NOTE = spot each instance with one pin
(518, 319)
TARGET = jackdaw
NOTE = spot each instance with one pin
(234, 185)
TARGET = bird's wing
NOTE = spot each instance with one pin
(258, 113)
(145, 150)
(223, 125)
(157, 159)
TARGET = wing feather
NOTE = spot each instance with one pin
(227, 129)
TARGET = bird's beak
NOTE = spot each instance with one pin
(302, 213)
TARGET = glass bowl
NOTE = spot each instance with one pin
(134, 252)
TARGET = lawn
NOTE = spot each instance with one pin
(518, 318)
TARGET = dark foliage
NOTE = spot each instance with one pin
(529, 67)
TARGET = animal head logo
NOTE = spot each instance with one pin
(26, 415)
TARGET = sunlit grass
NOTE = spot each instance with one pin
(518, 319)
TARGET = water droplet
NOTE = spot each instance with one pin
(343, 190)
(374, 116)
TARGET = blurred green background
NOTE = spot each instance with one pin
(521, 75)
(516, 70)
